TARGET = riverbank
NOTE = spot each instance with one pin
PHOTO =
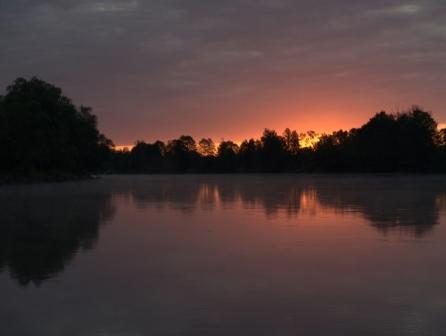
(47, 177)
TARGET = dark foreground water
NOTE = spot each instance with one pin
(224, 255)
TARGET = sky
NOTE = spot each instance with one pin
(157, 69)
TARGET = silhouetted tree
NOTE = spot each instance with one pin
(147, 158)
(417, 132)
(249, 155)
(441, 137)
(291, 139)
(43, 132)
(206, 147)
(332, 152)
(227, 155)
(273, 151)
(182, 154)
(376, 142)
(439, 161)
(401, 142)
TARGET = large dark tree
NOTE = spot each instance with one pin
(249, 154)
(42, 132)
(147, 158)
(273, 151)
(401, 142)
(417, 132)
(181, 154)
(227, 157)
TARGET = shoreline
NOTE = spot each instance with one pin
(11, 180)
(56, 177)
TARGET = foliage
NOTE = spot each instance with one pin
(43, 132)
(402, 142)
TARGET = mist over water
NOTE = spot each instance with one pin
(225, 254)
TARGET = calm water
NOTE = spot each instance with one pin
(224, 255)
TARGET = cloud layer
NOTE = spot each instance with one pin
(158, 68)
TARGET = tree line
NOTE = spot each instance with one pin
(403, 142)
(43, 132)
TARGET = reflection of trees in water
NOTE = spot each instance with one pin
(212, 192)
(391, 204)
(409, 204)
(42, 229)
(189, 193)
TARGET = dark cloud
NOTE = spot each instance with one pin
(158, 68)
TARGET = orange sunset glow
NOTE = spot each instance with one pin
(228, 70)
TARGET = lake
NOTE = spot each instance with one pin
(224, 255)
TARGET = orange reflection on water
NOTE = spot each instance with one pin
(387, 203)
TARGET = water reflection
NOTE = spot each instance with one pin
(403, 204)
(43, 227)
